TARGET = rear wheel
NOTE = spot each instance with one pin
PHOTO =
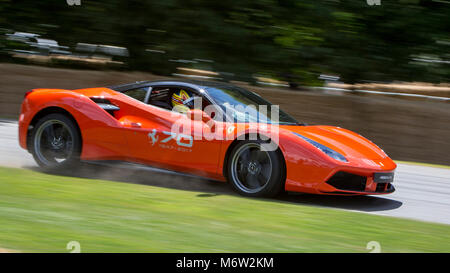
(56, 142)
(254, 172)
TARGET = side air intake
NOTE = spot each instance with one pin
(106, 105)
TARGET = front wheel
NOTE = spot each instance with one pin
(55, 142)
(254, 172)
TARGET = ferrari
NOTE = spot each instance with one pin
(135, 123)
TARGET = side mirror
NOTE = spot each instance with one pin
(197, 114)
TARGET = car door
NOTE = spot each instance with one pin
(153, 139)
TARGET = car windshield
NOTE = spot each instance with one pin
(241, 105)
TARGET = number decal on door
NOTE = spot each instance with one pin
(180, 139)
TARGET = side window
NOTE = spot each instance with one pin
(160, 96)
(138, 93)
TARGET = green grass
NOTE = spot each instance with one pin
(42, 213)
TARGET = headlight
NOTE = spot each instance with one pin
(330, 152)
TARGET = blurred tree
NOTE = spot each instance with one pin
(284, 39)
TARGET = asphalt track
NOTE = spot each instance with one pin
(423, 193)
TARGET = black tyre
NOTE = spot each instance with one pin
(254, 172)
(55, 142)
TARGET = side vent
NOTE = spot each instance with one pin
(106, 105)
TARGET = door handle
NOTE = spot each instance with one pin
(132, 124)
(135, 124)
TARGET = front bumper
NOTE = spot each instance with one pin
(347, 183)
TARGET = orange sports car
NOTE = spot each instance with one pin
(214, 130)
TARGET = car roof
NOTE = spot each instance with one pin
(195, 84)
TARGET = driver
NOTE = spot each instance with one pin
(183, 101)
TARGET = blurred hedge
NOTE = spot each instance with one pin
(284, 39)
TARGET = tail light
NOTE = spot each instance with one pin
(27, 93)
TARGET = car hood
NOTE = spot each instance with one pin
(345, 142)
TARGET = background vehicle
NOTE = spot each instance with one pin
(36, 44)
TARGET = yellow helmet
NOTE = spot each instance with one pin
(182, 100)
